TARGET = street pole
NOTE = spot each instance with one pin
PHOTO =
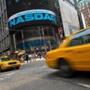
(49, 39)
(23, 42)
(50, 44)
(14, 39)
(44, 39)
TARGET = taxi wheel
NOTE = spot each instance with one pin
(1, 68)
(18, 67)
(65, 70)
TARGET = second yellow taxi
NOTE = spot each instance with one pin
(7, 63)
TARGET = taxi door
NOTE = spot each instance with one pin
(79, 51)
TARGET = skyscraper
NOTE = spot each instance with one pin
(4, 33)
(84, 6)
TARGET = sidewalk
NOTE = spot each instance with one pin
(35, 59)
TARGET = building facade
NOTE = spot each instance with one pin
(34, 26)
(4, 33)
(69, 16)
(40, 25)
(84, 6)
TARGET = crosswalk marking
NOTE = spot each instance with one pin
(84, 85)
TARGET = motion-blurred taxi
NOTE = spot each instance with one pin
(72, 55)
(7, 63)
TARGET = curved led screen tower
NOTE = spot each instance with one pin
(32, 16)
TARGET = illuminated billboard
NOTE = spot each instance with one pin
(29, 16)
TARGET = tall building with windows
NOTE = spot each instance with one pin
(39, 25)
(84, 6)
(4, 33)
(69, 16)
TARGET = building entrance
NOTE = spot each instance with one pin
(42, 38)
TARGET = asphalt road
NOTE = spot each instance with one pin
(37, 76)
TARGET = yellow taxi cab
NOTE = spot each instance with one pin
(7, 63)
(72, 55)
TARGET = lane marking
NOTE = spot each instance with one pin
(34, 60)
(84, 85)
(10, 74)
(6, 76)
(1, 79)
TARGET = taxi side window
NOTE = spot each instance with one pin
(76, 41)
(80, 40)
(86, 38)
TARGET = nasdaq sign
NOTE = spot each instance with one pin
(32, 16)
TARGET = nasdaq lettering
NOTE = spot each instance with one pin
(32, 17)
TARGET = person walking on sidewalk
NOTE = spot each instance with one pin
(27, 58)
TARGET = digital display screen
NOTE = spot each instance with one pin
(29, 16)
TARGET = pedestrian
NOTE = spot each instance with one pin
(30, 57)
(39, 54)
(27, 58)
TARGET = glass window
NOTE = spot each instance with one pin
(81, 39)
(76, 41)
(86, 38)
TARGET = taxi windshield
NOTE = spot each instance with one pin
(4, 59)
